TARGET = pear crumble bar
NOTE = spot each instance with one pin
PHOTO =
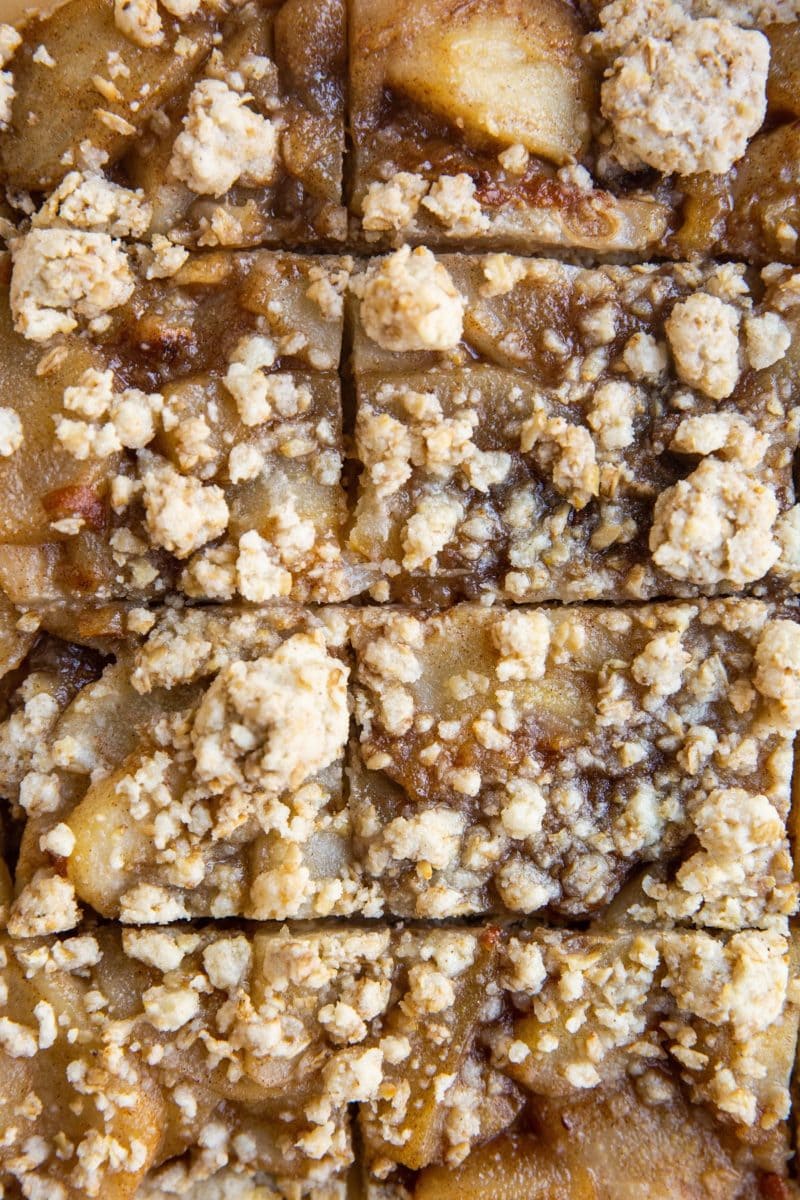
(200, 1061)
(227, 117)
(525, 759)
(200, 774)
(191, 442)
(638, 126)
(535, 431)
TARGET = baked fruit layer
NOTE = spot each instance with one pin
(559, 1065)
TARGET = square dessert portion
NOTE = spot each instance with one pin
(557, 1064)
(638, 126)
(199, 773)
(228, 115)
(532, 759)
(161, 434)
(534, 430)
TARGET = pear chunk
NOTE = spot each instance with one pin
(510, 73)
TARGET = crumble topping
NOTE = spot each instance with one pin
(681, 95)
(139, 20)
(274, 721)
(409, 302)
(182, 513)
(223, 142)
(429, 530)
(9, 41)
(46, 905)
(128, 417)
(452, 201)
(93, 203)
(703, 334)
(60, 275)
(391, 206)
(473, 742)
(259, 396)
(768, 337)
(718, 524)
(611, 417)
(162, 259)
(11, 432)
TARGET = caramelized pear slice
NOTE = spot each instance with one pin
(512, 1166)
(783, 83)
(510, 73)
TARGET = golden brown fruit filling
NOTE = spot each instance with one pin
(491, 124)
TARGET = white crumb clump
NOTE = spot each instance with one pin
(259, 574)
(227, 961)
(108, 421)
(272, 722)
(223, 142)
(567, 452)
(182, 513)
(148, 904)
(452, 201)
(161, 259)
(11, 432)
(391, 206)
(778, 662)
(93, 203)
(46, 905)
(703, 333)
(523, 812)
(140, 21)
(614, 406)
(767, 339)
(169, 1009)
(522, 638)
(258, 396)
(644, 356)
(727, 434)
(681, 95)
(409, 302)
(245, 462)
(9, 41)
(429, 530)
(60, 841)
(716, 525)
(60, 275)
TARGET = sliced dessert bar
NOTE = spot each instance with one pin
(193, 440)
(202, 774)
(229, 116)
(532, 759)
(639, 126)
(540, 431)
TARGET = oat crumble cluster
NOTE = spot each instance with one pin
(399, 599)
